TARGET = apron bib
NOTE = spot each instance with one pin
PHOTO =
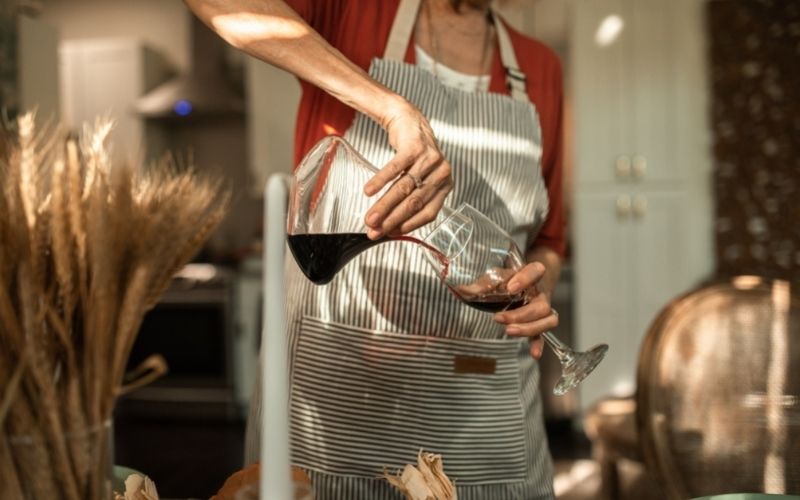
(384, 360)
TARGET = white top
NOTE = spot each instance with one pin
(449, 76)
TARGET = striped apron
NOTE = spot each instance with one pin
(383, 358)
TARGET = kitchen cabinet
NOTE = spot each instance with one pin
(104, 78)
(641, 227)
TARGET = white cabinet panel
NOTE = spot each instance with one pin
(652, 89)
(659, 263)
(599, 91)
(602, 279)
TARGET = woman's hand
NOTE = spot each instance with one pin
(271, 31)
(535, 317)
(420, 175)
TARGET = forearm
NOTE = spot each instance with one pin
(271, 31)
(552, 263)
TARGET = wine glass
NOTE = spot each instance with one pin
(481, 259)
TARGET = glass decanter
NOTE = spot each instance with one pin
(327, 208)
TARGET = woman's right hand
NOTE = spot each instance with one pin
(271, 31)
(406, 205)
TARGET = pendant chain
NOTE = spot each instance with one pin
(435, 44)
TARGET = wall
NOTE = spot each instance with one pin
(8, 72)
(216, 146)
(38, 67)
(272, 99)
(755, 49)
(162, 24)
(8, 61)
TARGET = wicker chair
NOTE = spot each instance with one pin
(718, 390)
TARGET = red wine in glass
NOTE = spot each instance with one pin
(495, 303)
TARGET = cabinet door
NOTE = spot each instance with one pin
(599, 89)
(602, 288)
(661, 267)
(651, 74)
(627, 268)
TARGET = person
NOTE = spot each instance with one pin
(456, 106)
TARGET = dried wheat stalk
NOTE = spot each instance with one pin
(85, 250)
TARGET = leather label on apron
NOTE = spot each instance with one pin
(474, 364)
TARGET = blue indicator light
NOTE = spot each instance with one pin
(182, 108)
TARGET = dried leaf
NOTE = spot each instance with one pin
(427, 481)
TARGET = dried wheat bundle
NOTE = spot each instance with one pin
(85, 251)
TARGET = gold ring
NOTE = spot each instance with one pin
(417, 180)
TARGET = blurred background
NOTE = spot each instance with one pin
(683, 163)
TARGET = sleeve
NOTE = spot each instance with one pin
(553, 231)
(325, 16)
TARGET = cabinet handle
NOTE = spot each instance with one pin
(623, 206)
(623, 167)
(639, 167)
(639, 206)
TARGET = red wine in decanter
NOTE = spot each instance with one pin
(321, 255)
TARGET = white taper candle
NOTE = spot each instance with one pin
(276, 481)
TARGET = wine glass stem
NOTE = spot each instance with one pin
(562, 350)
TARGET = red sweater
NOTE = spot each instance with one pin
(360, 30)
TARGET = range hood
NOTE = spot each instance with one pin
(205, 91)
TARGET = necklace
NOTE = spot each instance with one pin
(434, 43)
(467, 33)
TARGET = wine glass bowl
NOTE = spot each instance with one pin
(481, 259)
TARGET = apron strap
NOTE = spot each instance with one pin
(402, 28)
(516, 81)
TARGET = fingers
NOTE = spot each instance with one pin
(427, 214)
(537, 345)
(536, 309)
(529, 320)
(527, 277)
(396, 166)
(533, 328)
(405, 206)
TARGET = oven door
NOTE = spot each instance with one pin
(191, 327)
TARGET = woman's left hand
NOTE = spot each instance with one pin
(535, 317)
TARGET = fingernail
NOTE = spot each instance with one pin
(512, 330)
(369, 189)
(374, 234)
(513, 286)
(500, 318)
(373, 219)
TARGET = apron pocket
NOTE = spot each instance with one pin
(363, 400)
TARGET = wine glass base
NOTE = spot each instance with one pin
(579, 368)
